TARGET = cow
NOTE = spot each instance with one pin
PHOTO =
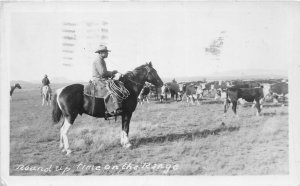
(173, 88)
(248, 94)
(217, 87)
(279, 90)
(154, 92)
(247, 84)
(144, 95)
(164, 93)
(191, 92)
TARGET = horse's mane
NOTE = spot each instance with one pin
(129, 74)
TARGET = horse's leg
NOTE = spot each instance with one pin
(47, 100)
(125, 130)
(50, 99)
(64, 132)
(43, 101)
(61, 141)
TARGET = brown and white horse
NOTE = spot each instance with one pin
(70, 101)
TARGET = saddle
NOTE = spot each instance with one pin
(102, 89)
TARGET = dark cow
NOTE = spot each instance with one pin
(248, 94)
(279, 89)
(173, 88)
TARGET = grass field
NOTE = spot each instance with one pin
(168, 139)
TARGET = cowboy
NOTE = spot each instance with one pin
(99, 66)
(100, 74)
(46, 82)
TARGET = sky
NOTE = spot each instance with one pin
(174, 36)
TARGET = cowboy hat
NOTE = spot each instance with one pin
(102, 48)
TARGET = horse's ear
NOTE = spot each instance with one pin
(150, 64)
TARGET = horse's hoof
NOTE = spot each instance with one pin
(128, 145)
(69, 152)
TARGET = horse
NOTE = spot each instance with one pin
(70, 101)
(46, 95)
(12, 88)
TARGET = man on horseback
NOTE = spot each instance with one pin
(102, 83)
(46, 82)
(99, 66)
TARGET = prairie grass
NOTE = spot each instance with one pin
(175, 133)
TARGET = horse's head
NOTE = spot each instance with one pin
(152, 76)
(17, 85)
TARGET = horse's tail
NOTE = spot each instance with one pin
(56, 112)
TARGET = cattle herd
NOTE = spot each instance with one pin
(230, 92)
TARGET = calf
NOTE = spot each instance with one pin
(144, 95)
(248, 94)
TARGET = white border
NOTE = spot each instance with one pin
(294, 107)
